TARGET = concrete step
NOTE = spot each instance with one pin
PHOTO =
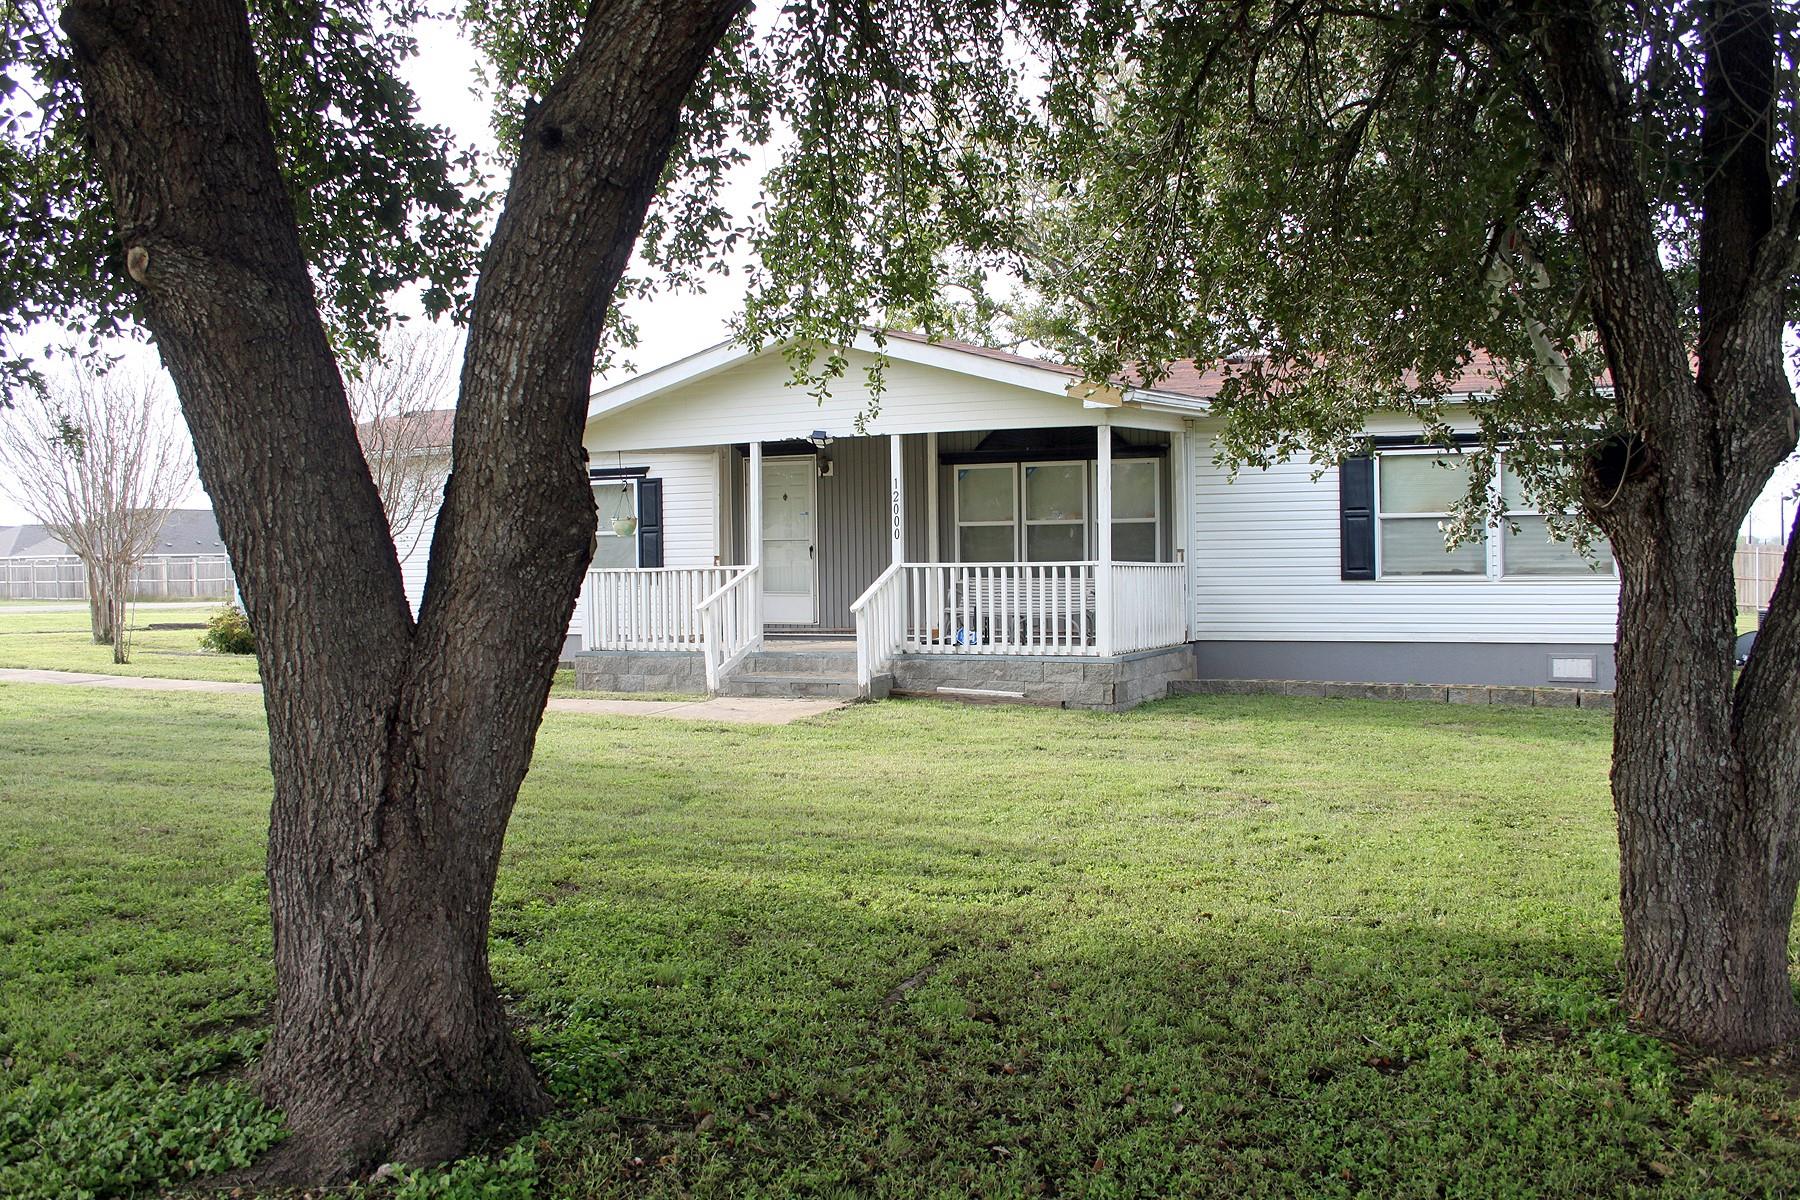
(776, 661)
(804, 685)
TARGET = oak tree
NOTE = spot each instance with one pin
(1341, 203)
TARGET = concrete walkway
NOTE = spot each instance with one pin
(728, 710)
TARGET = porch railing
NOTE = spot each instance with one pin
(730, 623)
(650, 608)
(1149, 607)
(1001, 608)
(880, 616)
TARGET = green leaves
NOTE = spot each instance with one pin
(383, 201)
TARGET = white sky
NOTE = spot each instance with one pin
(670, 326)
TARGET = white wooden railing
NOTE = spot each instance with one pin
(730, 623)
(649, 608)
(1149, 607)
(1001, 608)
(880, 616)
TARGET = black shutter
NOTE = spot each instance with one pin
(1356, 517)
(650, 523)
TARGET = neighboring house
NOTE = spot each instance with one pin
(997, 523)
(410, 456)
(187, 562)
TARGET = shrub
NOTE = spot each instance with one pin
(229, 632)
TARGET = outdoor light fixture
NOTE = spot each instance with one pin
(820, 439)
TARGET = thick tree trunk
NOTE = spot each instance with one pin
(397, 750)
(1705, 777)
(1706, 865)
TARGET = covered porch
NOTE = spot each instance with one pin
(996, 545)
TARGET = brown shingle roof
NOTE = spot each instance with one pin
(1191, 379)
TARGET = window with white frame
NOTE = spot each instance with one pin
(1137, 509)
(1044, 511)
(987, 509)
(1415, 494)
(1526, 546)
(616, 499)
(1056, 496)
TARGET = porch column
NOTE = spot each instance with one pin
(1184, 520)
(896, 498)
(931, 498)
(1103, 574)
(753, 525)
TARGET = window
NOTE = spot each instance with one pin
(1530, 549)
(1137, 509)
(987, 513)
(1415, 492)
(1056, 497)
(1043, 511)
(615, 498)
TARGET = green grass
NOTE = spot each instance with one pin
(1225, 946)
(61, 641)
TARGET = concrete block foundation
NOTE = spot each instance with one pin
(1108, 684)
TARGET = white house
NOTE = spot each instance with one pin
(997, 523)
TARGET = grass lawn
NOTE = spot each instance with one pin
(56, 640)
(1222, 946)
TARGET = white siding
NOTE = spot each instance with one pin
(690, 503)
(753, 402)
(1266, 568)
(690, 516)
(414, 548)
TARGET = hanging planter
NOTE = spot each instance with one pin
(625, 526)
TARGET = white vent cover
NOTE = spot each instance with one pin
(1576, 669)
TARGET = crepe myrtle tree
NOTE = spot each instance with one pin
(1340, 202)
(101, 462)
(247, 185)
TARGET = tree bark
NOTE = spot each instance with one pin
(1705, 776)
(397, 749)
(99, 609)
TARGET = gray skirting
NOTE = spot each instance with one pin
(1496, 664)
(1439, 693)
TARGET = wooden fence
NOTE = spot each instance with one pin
(160, 577)
(1758, 566)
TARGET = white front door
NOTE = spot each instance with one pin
(789, 541)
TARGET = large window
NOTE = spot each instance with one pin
(1056, 495)
(1415, 493)
(1529, 549)
(615, 498)
(1044, 511)
(1137, 509)
(987, 508)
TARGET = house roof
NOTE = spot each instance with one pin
(1188, 386)
(187, 531)
(438, 425)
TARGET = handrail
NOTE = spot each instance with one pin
(880, 614)
(730, 623)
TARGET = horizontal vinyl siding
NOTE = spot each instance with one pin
(1266, 568)
(414, 548)
(690, 504)
(753, 402)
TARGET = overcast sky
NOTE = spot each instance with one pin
(670, 326)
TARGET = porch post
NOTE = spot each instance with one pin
(753, 524)
(897, 498)
(1103, 574)
(931, 498)
(1184, 520)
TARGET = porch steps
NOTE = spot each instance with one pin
(797, 672)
